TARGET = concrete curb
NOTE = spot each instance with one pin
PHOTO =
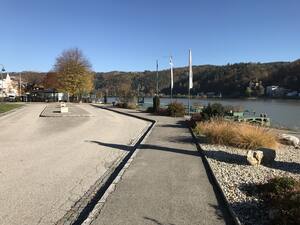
(12, 111)
(215, 180)
(89, 206)
(44, 114)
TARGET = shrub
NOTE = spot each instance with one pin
(195, 118)
(126, 105)
(218, 110)
(234, 134)
(149, 109)
(176, 109)
(156, 104)
(282, 195)
(130, 105)
(213, 110)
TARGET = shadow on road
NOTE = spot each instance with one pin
(156, 221)
(147, 147)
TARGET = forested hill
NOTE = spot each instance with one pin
(230, 80)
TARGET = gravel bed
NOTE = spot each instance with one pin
(237, 177)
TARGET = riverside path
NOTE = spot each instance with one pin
(166, 183)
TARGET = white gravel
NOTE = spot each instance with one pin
(236, 176)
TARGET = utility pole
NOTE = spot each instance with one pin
(157, 77)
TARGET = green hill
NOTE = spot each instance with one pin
(231, 80)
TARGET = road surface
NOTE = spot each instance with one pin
(46, 164)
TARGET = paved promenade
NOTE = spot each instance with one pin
(166, 184)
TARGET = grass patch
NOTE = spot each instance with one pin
(5, 107)
(234, 134)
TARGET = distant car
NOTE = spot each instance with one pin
(11, 98)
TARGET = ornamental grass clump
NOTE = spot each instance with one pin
(240, 135)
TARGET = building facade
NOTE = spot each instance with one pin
(8, 87)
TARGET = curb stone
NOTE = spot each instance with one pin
(231, 211)
(44, 114)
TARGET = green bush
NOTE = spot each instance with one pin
(282, 195)
(156, 104)
(149, 109)
(176, 109)
(213, 110)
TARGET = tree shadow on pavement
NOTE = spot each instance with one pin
(181, 139)
(148, 147)
(226, 157)
(156, 221)
(179, 124)
(221, 210)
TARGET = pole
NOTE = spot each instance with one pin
(157, 77)
(2, 70)
(189, 102)
(171, 73)
(20, 93)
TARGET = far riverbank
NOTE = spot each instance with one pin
(284, 113)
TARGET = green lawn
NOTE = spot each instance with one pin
(5, 107)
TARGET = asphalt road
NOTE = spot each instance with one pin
(46, 164)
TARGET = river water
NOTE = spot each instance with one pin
(283, 113)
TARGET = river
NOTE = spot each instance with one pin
(283, 113)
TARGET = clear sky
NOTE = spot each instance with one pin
(130, 35)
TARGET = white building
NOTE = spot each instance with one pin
(7, 86)
(275, 91)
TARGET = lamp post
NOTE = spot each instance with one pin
(20, 86)
(2, 71)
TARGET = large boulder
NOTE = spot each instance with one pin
(264, 156)
(289, 140)
(269, 155)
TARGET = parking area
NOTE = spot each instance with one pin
(47, 164)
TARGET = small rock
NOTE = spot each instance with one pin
(251, 159)
(289, 140)
(259, 156)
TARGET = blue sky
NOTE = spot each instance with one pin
(130, 35)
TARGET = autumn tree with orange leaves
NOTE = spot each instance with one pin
(71, 74)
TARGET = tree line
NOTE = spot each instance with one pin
(232, 80)
(72, 74)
